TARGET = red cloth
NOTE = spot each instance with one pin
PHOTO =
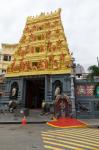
(66, 122)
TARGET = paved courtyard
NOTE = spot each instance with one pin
(28, 137)
(43, 137)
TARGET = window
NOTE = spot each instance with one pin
(40, 27)
(85, 90)
(34, 63)
(37, 49)
(7, 58)
(39, 37)
(3, 71)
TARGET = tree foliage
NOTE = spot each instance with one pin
(93, 71)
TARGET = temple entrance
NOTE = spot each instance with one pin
(35, 93)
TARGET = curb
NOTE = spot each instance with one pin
(42, 122)
(93, 126)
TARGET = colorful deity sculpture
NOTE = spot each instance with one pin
(62, 105)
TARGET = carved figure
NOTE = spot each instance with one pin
(62, 106)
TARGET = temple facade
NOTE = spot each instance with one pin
(41, 63)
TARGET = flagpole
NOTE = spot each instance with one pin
(98, 61)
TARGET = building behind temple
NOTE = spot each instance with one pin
(86, 94)
(6, 56)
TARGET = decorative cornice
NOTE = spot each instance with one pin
(5, 45)
(43, 16)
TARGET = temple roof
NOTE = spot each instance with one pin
(8, 49)
(42, 49)
(5, 45)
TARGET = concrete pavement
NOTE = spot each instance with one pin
(93, 123)
(36, 118)
(16, 118)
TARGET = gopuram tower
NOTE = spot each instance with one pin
(42, 49)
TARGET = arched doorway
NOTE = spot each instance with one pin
(35, 93)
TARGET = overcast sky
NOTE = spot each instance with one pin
(80, 19)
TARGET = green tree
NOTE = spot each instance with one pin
(93, 71)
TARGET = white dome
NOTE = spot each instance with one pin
(79, 69)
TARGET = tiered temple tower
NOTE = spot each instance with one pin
(42, 49)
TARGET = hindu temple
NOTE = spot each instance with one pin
(41, 63)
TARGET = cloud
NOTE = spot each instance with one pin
(80, 20)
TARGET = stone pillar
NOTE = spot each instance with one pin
(45, 88)
(73, 96)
